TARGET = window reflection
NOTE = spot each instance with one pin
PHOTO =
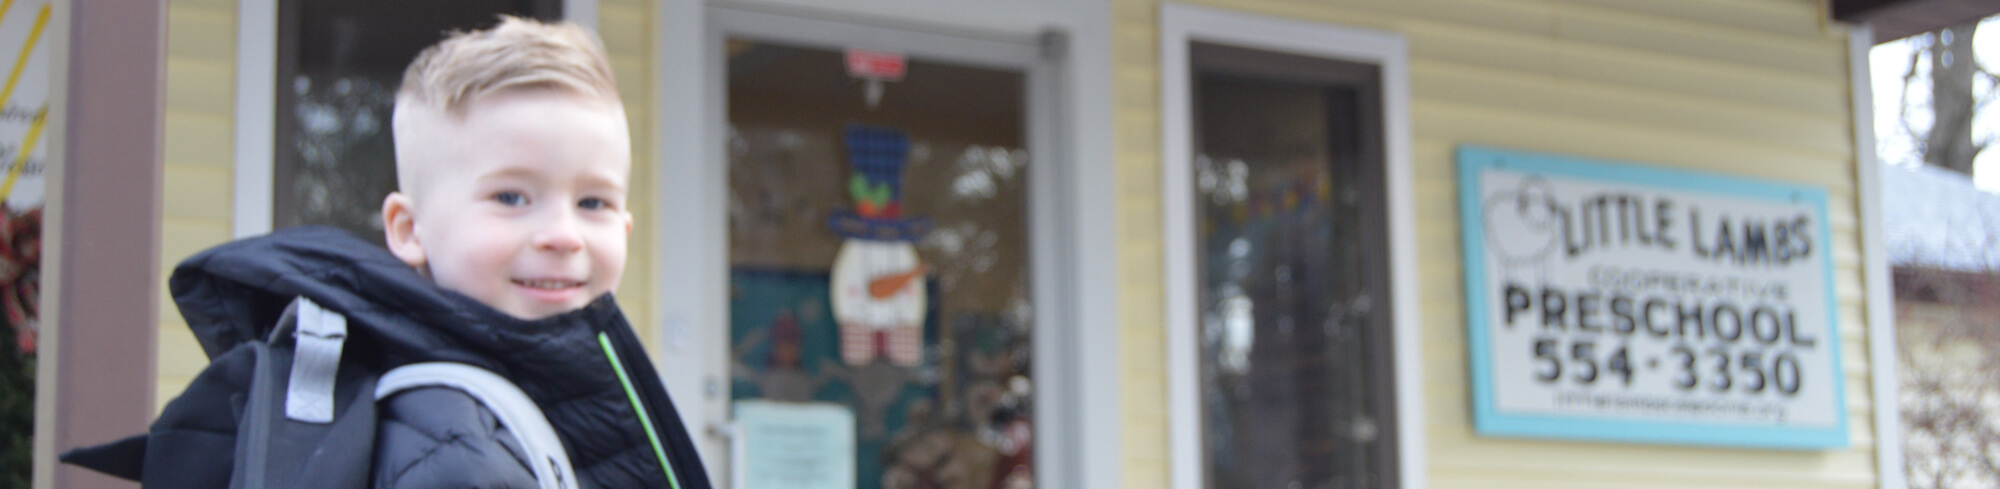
(343, 162)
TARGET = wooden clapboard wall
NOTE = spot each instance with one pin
(200, 155)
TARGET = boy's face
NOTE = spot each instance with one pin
(520, 203)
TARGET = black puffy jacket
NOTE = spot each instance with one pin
(585, 369)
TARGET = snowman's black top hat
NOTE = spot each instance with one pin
(877, 155)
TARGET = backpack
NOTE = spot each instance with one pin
(306, 419)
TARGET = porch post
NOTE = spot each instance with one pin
(101, 240)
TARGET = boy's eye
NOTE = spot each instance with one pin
(510, 198)
(592, 203)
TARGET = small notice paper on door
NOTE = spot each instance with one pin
(783, 445)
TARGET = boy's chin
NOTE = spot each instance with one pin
(515, 305)
(537, 310)
(536, 303)
(542, 312)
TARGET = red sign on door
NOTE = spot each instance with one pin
(876, 65)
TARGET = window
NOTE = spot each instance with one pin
(339, 63)
(1296, 384)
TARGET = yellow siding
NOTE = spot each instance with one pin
(200, 169)
(199, 151)
(627, 29)
(1751, 88)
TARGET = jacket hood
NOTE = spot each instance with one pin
(607, 413)
(236, 292)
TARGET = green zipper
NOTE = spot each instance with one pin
(639, 407)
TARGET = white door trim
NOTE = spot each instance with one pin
(256, 102)
(582, 12)
(1181, 25)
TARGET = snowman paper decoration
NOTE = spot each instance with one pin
(877, 279)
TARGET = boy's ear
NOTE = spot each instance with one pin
(399, 228)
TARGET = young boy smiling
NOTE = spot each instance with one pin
(505, 241)
(513, 160)
(513, 190)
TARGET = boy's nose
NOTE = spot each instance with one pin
(559, 235)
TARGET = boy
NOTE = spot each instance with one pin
(505, 241)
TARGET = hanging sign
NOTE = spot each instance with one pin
(1617, 302)
(874, 68)
(876, 65)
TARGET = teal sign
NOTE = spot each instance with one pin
(1618, 302)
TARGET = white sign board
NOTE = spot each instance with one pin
(1617, 302)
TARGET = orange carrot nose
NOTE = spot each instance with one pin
(881, 287)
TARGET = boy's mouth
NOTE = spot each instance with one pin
(548, 284)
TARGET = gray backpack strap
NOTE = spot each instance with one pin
(321, 334)
(277, 450)
(547, 459)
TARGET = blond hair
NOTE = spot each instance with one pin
(518, 53)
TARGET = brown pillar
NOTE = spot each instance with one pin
(107, 229)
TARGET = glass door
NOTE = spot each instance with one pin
(880, 213)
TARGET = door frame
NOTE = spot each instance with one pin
(1071, 237)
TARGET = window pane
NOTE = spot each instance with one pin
(340, 63)
(938, 374)
(1289, 309)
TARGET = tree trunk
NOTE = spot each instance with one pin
(1949, 144)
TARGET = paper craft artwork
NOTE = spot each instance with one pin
(877, 277)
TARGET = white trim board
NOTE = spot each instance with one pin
(44, 465)
(581, 12)
(1881, 300)
(691, 244)
(1179, 26)
(256, 113)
